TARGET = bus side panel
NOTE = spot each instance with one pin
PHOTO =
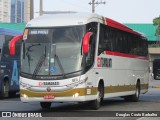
(10, 65)
(140, 71)
(14, 77)
(121, 74)
(115, 74)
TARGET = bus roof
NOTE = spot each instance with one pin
(74, 18)
(120, 26)
(63, 19)
(6, 31)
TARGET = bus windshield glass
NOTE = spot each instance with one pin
(52, 51)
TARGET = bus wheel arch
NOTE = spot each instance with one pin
(95, 104)
(135, 96)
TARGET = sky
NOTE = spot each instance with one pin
(124, 11)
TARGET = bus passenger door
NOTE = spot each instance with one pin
(89, 56)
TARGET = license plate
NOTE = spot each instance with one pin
(50, 96)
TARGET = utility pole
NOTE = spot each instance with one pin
(21, 12)
(93, 6)
(16, 16)
(31, 9)
(41, 8)
(93, 3)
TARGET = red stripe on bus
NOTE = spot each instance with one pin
(98, 62)
(120, 26)
(125, 55)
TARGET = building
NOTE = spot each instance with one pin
(16, 11)
(28, 10)
(5, 10)
(13, 26)
(148, 29)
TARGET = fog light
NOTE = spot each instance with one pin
(75, 95)
(25, 96)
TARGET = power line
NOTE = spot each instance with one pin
(93, 3)
(75, 5)
(41, 11)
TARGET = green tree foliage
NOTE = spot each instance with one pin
(156, 21)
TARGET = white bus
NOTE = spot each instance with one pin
(81, 57)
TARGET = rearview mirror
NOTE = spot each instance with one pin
(85, 43)
(13, 44)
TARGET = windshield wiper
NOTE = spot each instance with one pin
(28, 52)
(79, 71)
(60, 65)
(39, 64)
(58, 60)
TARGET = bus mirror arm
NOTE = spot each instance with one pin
(85, 42)
(12, 45)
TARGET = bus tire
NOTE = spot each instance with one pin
(5, 89)
(95, 104)
(135, 97)
(45, 105)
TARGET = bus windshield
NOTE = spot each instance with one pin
(52, 52)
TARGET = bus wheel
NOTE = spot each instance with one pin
(135, 97)
(45, 105)
(95, 104)
(5, 89)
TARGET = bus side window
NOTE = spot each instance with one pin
(105, 39)
(0, 50)
(108, 39)
(101, 45)
(18, 48)
(5, 49)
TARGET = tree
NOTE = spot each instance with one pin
(156, 21)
